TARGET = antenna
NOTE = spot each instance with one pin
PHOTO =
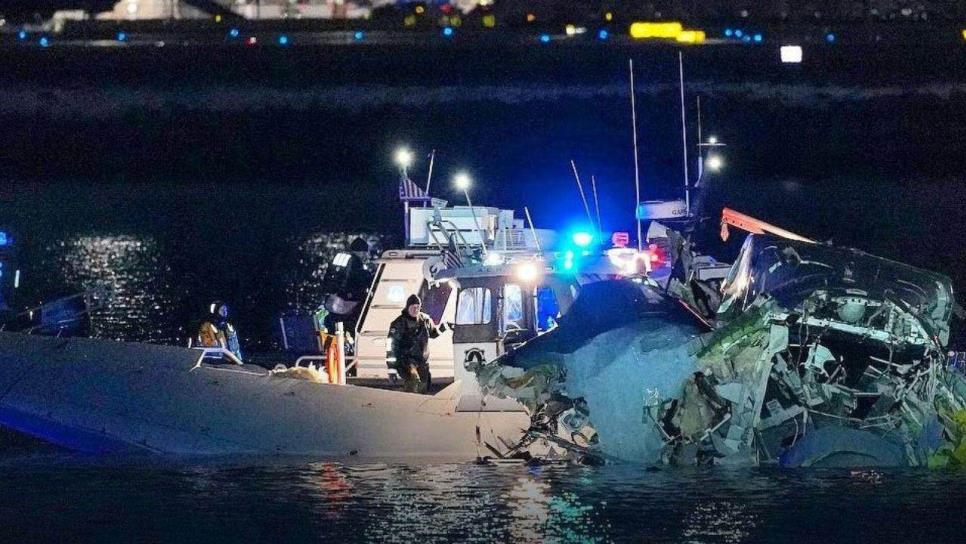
(684, 136)
(637, 171)
(593, 185)
(580, 188)
(536, 240)
(697, 183)
(429, 175)
(699, 118)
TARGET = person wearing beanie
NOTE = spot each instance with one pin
(409, 336)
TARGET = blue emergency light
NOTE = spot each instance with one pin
(582, 238)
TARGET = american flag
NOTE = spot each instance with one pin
(452, 259)
(409, 191)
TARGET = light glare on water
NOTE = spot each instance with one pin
(279, 500)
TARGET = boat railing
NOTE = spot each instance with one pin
(451, 233)
(334, 357)
(92, 299)
(351, 361)
(512, 238)
(217, 353)
(505, 239)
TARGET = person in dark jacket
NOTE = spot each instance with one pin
(409, 334)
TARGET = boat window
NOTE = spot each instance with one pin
(473, 306)
(548, 310)
(513, 308)
(434, 299)
(395, 292)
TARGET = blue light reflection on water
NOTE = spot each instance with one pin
(301, 501)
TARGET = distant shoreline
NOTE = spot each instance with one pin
(391, 31)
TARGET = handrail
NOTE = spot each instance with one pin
(460, 240)
(90, 297)
(298, 362)
(214, 353)
(59, 325)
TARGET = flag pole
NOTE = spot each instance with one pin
(404, 175)
(429, 176)
(580, 188)
(536, 240)
(637, 171)
(593, 185)
(684, 137)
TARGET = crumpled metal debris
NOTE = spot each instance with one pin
(819, 356)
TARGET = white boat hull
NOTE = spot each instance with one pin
(104, 396)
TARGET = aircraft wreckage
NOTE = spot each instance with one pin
(805, 355)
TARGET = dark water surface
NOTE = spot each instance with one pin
(59, 498)
(180, 175)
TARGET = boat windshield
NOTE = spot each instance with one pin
(473, 306)
(513, 318)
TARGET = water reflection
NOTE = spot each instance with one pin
(719, 521)
(135, 273)
(285, 501)
(331, 485)
(156, 294)
(303, 279)
(533, 499)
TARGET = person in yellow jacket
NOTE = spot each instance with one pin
(218, 332)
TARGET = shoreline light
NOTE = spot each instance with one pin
(643, 29)
(791, 54)
(691, 36)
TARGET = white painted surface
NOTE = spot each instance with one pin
(100, 395)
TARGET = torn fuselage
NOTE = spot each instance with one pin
(818, 356)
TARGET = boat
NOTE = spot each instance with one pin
(497, 281)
